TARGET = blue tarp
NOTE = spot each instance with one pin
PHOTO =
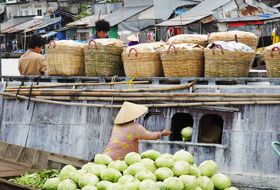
(60, 36)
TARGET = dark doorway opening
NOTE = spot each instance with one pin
(211, 129)
(180, 121)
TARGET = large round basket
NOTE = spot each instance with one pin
(64, 60)
(142, 64)
(103, 60)
(247, 38)
(225, 63)
(272, 61)
(183, 62)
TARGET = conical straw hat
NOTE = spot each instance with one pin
(130, 112)
(132, 38)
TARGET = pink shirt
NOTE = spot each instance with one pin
(125, 137)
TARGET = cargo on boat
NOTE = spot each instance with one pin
(246, 112)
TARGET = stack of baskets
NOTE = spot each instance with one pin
(65, 58)
(143, 60)
(182, 60)
(272, 60)
(103, 57)
(220, 62)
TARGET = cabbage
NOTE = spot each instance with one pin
(132, 158)
(89, 187)
(149, 164)
(151, 154)
(231, 188)
(183, 155)
(110, 174)
(198, 188)
(167, 155)
(180, 168)
(163, 173)
(160, 184)
(75, 177)
(148, 184)
(194, 171)
(102, 159)
(135, 168)
(125, 172)
(125, 178)
(164, 161)
(51, 184)
(104, 185)
(221, 181)
(94, 168)
(87, 179)
(173, 183)
(67, 172)
(208, 168)
(188, 181)
(130, 186)
(187, 133)
(145, 174)
(119, 165)
(67, 184)
(205, 183)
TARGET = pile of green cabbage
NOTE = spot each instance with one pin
(148, 171)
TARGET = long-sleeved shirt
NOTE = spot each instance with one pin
(125, 137)
(32, 63)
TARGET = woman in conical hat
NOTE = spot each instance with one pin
(133, 40)
(126, 132)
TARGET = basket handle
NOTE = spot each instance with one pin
(196, 45)
(90, 44)
(52, 44)
(136, 53)
(172, 47)
(273, 50)
(274, 144)
(217, 46)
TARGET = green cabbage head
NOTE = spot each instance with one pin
(110, 174)
(51, 184)
(173, 183)
(67, 184)
(151, 154)
(163, 173)
(132, 158)
(208, 168)
(102, 159)
(221, 181)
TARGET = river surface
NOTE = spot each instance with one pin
(10, 67)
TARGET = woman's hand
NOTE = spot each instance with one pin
(165, 132)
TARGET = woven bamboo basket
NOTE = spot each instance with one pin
(183, 62)
(65, 60)
(272, 60)
(189, 38)
(247, 38)
(138, 64)
(225, 63)
(103, 60)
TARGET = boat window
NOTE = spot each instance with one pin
(180, 121)
(211, 129)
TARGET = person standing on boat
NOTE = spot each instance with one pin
(102, 27)
(32, 62)
(127, 132)
(133, 40)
